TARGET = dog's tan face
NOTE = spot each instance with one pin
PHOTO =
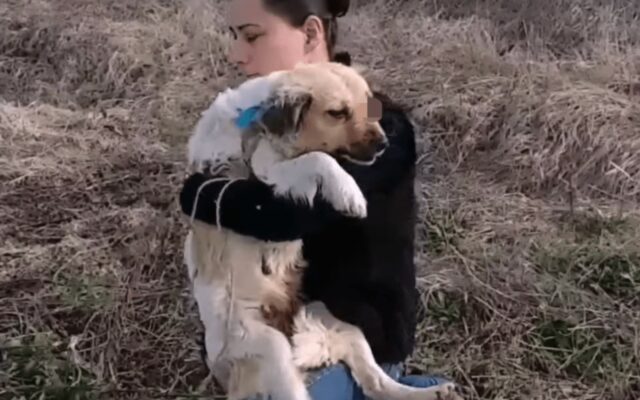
(326, 107)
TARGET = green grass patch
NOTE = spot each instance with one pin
(577, 351)
(38, 368)
(85, 292)
(590, 225)
(599, 268)
(445, 308)
(442, 232)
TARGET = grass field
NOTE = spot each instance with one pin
(529, 240)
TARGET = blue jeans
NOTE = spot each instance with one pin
(336, 382)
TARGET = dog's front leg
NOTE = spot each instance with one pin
(272, 351)
(336, 185)
(301, 178)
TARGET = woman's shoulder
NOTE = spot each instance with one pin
(392, 108)
(397, 122)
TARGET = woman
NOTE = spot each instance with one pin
(361, 269)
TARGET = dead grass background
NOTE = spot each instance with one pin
(528, 247)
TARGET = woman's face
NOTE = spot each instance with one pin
(263, 42)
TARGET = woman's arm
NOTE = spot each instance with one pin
(249, 207)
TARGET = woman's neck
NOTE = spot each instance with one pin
(319, 54)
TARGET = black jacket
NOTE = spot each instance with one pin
(363, 270)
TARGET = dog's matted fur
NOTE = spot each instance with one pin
(258, 336)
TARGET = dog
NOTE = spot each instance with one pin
(284, 129)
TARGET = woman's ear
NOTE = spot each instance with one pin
(314, 33)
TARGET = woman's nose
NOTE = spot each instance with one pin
(238, 53)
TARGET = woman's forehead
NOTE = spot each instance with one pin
(248, 12)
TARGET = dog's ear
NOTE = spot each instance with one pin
(285, 112)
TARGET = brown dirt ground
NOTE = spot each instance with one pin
(528, 244)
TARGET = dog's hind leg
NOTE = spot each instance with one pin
(271, 349)
(322, 339)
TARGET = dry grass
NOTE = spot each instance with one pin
(528, 247)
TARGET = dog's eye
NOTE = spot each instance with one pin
(339, 114)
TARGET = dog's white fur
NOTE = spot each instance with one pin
(247, 355)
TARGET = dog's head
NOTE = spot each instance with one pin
(325, 107)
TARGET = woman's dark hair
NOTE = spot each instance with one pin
(296, 13)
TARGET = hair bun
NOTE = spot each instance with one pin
(343, 57)
(338, 8)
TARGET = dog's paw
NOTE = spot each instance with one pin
(448, 391)
(342, 191)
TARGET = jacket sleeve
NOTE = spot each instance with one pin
(250, 208)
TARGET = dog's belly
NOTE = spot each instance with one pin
(266, 276)
(211, 255)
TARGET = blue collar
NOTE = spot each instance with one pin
(248, 116)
